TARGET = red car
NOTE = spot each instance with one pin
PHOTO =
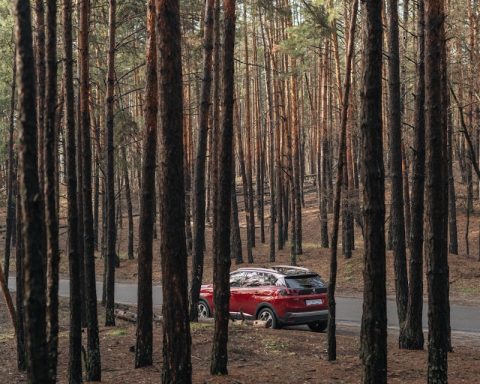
(280, 295)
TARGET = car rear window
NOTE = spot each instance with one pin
(304, 282)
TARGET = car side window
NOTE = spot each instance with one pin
(236, 279)
(270, 279)
(253, 279)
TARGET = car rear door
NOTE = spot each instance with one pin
(236, 281)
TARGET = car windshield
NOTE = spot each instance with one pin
(304, 282)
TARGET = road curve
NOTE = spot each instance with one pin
(349, 309)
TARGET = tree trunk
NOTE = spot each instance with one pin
(332, 342)
(20, 286)
(248, 130)
(397, 202)
(201, 153)
(144, 345)
(110, 164)
(51, 214)
(373, 347)
(436, 183)
(75, 336)
(11, 176)
(452, 202)
(93, 363)
(128, 198)
(177, 367)
(411, 334)
(222, 259)
(32, 223)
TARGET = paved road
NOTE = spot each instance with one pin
(349, 309)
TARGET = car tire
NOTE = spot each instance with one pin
(267, 314)
(203, 309)
(318, 326)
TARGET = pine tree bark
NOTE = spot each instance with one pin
(110, 164)
(93, 363)
(397, 201)
(75, 336)
(20, 285)
(435, 204)
(144, 344)
(177, 367)
(411, 334)
(11, 175)
(222, 249)
(373, 339)
(201, 153)
(51, 214)
(32, 224)
(128, 198)
(332, 342)
(248, 130)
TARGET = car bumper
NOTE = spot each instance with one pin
(304, 317)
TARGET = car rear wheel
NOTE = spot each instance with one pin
(318, 326)
(203, 310)
(267, 315)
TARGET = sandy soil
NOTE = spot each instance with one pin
(255, 355)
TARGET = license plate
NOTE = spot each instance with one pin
(314, 302)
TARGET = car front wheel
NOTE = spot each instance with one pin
(267, 315)
(318, 326)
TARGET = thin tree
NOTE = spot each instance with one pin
(20, 285)
(93, 362)
(200, 161)
(332, 342)
(32, 224)
(373, 343)
(11, 175)
(177, 367)
(51, 214)
(436, 252)
(74, 261)
(396, 174)
(144, 345)
(222, 259)
(110, 183)
(411, 333)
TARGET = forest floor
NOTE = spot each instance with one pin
(255, 355)
(464, 269)
(274, 356)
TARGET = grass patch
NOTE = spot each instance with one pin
(117, 332)
(276, 346)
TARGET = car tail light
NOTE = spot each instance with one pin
(289, 292)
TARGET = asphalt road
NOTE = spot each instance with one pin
(349, 309)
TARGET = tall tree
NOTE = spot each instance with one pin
(93, 362)
(51, 213)
(222, 259)
(332, 342)
(436, 215)
(74, 260)
(32, 225)
(411, 334)
(396, 174)
(11, 175)
(20, 285)
(373, 348)
(144, 346)
(201, 154)
(110, 171)
(177, 367)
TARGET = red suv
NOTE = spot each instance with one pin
(280, 295)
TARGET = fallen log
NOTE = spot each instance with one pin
(131, 317)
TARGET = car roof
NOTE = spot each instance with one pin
(283, 270)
